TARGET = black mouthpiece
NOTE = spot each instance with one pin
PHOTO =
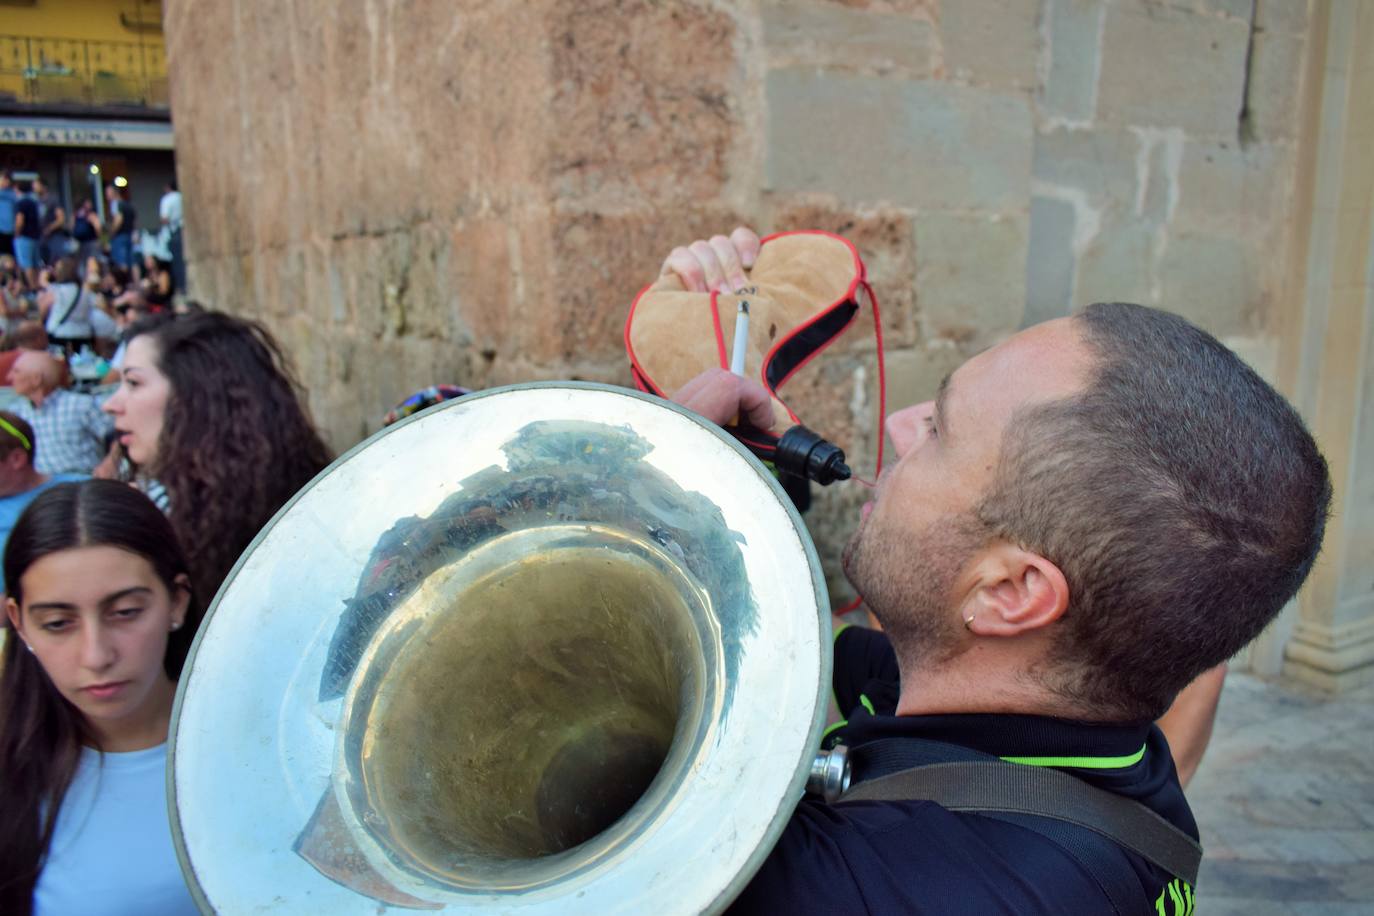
(802, 452)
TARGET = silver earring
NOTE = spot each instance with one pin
(176, 625)
(29, 647)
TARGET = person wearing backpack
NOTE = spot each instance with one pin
(66, 306)
(86, 231)
(1082, 521)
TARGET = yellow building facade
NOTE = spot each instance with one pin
(83, 96)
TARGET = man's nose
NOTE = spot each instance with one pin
(906, 428)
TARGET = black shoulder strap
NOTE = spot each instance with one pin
(995, 786)
(71, 307)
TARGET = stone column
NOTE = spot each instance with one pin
(1327, 361)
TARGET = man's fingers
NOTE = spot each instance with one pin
(710, 264)
(746, 242)
(755, 404)
(723, 397)
(715, 265)
(729, 262)
(688, 269)
(689, 391)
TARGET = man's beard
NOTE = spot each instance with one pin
(907, 580)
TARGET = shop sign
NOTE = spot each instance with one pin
(100, 134)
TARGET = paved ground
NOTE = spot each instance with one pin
(1285, 801)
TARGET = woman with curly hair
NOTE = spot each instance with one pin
(208, 410)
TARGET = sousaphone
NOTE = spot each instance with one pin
(555, 648)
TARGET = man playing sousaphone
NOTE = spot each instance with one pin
(1085, 519)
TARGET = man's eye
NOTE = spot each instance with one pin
(930, 427)
(55, 626)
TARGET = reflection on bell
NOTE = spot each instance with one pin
(548, 649)
(524, 699)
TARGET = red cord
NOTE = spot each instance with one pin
(882, 416)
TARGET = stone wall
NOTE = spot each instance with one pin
(424, 191)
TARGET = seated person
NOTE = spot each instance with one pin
(28, 335)
(20, 482)
(1083, 520)
(70, 427)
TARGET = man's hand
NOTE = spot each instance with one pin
(724, 398)
(718, 264)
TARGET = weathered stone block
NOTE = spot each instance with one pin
(1231, 9)
(1075, 33)
(914, 144)
(971, 276)
(992, 42)
(1283, 15)
(484, 264)
(914, 374)
(922, 9)
(1225, 188)
(599, 263)
(1101, 161)
(1049, 261)
(1275, 80)
(641, 97)
(1215, 282)
(1154, 57)
(836, 37)
(1118, 265)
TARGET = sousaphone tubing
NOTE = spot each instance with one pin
(555, 648)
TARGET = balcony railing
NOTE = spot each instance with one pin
(74, 71)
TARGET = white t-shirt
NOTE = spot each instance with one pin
(103, 326)
(111, 852)
(169, 209)
(72, 305)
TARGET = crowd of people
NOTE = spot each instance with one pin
(1086, 520)
(38, 235)
(203, 439)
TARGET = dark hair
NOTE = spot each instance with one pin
(1181, 496)
(236, 443)
(30, 335)
(23, 187)
(64, 271)
(9, 441)
(41, 734)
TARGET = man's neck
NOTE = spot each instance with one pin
(976, 682)
(38, 396)
(24, 482)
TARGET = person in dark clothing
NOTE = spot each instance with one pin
(28, 229)
(123, 220)
(55, 236)
(1083, 520)
(9, 199)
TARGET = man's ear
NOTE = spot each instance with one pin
(1015, 591)
(16, 458)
